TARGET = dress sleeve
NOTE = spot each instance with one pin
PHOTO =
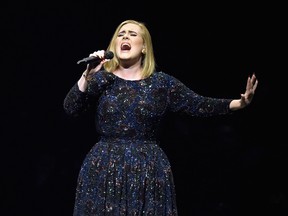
(77, 102)
(183, 99)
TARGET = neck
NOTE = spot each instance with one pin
(133, 72)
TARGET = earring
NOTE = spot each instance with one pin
(144, 51)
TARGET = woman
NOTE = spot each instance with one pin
(126, 172)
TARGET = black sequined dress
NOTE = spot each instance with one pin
(126, 172)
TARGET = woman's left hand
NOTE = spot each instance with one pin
(251, 86)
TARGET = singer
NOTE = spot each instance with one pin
(126, 172)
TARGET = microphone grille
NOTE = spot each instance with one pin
(109, 55)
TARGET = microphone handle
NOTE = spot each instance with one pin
(88, 60)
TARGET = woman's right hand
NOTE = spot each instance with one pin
(91, 69)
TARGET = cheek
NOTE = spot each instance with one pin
(117, 47)
(138, 45)
(118, 51)
(117, 43)
(139, 42)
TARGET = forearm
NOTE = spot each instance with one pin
(82, 82)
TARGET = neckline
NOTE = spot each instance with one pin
(127, 80)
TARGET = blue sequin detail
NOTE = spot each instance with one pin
(126, 172)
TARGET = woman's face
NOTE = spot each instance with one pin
(129, 43)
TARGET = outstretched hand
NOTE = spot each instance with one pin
(251, 86)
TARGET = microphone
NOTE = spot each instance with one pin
(107, 55)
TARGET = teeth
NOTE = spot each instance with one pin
(125, 45)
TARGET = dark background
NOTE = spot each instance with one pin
(229, 166)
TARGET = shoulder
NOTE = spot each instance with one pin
(165, 77)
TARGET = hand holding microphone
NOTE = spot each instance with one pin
(94, 62)
(97, 57)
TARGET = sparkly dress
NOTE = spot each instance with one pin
(126, 172)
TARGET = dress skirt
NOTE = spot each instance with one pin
(122, 177)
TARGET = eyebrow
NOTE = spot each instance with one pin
(128, 31)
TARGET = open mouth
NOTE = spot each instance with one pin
(125, 46)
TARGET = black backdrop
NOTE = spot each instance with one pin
(222, 166)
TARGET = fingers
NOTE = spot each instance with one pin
(99, 53)
(252, 83)
(249, 84)
(94, 65)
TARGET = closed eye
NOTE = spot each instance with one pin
(131, 33)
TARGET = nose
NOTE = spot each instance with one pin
(125, 36)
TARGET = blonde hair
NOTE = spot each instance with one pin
(148, 59)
